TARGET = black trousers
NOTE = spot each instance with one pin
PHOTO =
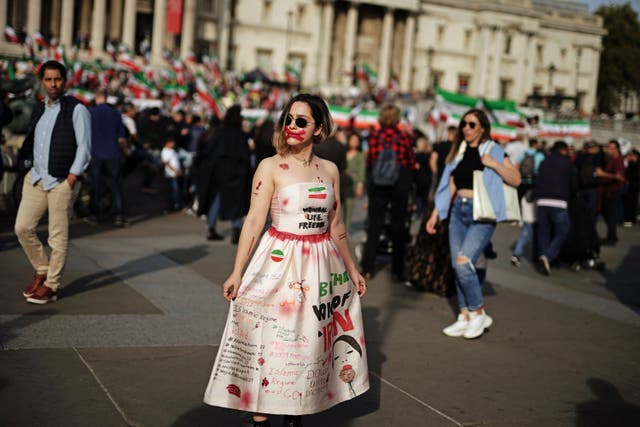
(611, 211)
(395, 199)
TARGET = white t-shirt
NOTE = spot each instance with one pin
(130, 124)
(170, 156)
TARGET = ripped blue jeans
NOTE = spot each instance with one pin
(467, 239)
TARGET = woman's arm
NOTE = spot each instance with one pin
(339, 235)
(430, 227)
(509, 173)
(262, 191)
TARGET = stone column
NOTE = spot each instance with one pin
(407, 55)
(188, 26)
(56, 7)
(327, 34)
(129, 24)
(66, 23)
(33, 17)
(498, 47)
(159, 30)
(480, 75)
(350, 43)
(115, 20)
(529, 71)
(97, 27)
(385, 49)
(223, 34)
(3, 15)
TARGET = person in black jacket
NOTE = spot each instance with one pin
(556, 184)
(59, 143)
(227, 158)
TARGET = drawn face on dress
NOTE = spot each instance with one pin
(345, 357)
(301, 127)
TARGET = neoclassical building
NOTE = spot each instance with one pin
(511, 49)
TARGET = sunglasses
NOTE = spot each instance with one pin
(472, 125)
(300, 122)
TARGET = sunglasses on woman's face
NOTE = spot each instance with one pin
(300, 122)
(472, 125)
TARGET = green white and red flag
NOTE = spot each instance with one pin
(81, 94)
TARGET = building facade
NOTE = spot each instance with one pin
(510, 49)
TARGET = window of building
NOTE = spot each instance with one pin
(563, 53)
(537, 90)
(440, 33)
(467, 39)
(436, 79)
(266, 9)
(301, 12)
(539, 52)
(463, 83)
(505, 88)
(263, 59)
(507, 45)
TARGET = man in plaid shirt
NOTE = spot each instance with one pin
(395, 198)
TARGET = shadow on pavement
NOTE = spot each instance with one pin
(131, 269)
(7, 328)
(608, 408)
(623, 281)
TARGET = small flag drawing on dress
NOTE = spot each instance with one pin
(277, 255)
(318, 193)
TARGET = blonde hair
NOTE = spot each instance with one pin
(321, 117)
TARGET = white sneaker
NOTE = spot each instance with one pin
(477, 324)
(458, 328)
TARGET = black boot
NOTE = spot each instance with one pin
(292, 421)
(235, 235)
(264, 423)
(212, 235)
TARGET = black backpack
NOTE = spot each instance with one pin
(528, 168)
(386, 168)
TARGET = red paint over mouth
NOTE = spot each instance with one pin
(299, 136)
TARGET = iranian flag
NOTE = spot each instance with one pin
(81, 94)
(341, 115)
(317, 193)
(575, 129)
(128, 63)
(448, 104)
(371, 75)
(180, 90)
(140, 87)
(277, 255)
(209, 99)
(366, 119)
(502, 133)
(10, 35)
(293, 75)
(40, 40)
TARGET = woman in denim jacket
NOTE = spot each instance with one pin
(472, 150)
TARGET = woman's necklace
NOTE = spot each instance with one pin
(305, 162)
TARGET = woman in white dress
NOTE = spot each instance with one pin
(294, 339)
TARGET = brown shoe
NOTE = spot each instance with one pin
(43, 295)
(37, 281)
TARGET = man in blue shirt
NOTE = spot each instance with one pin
(59, 143)
(107, 138)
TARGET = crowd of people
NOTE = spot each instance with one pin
(306, 177)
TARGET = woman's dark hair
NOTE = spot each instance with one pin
(53, 65)
(319, 112)
(233, 117)
(485, 124)
(357, 135)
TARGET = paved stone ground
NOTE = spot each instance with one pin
(133, 338)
